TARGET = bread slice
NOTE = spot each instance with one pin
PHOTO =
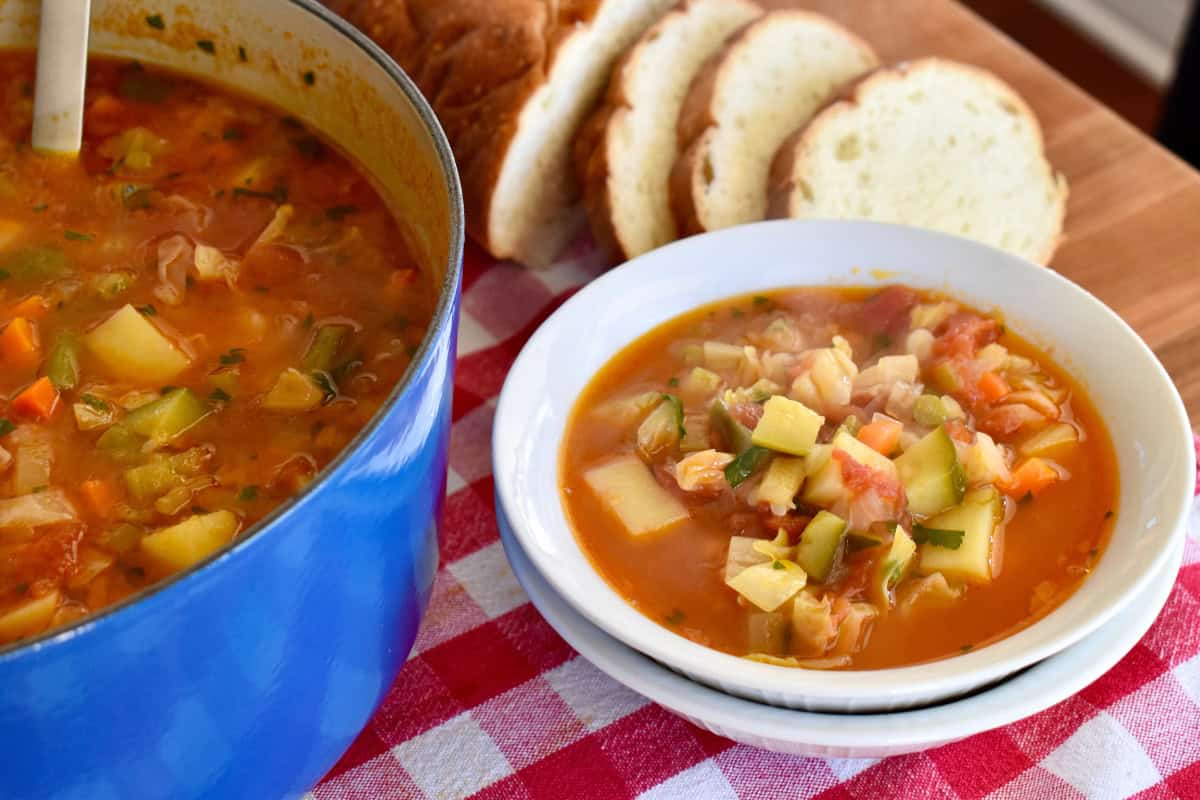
(931, 143)
(625, 151)
(511, 81)
(764, 84)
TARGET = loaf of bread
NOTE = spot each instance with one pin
(759, 88)
(511, 81)
(931, 143)
(625, 151)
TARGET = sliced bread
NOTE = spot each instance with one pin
(759, 88)
(510, 81)
(931, 143)
(625, 152)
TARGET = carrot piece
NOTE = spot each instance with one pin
(32, 307)
(993, 386)
(1032, 477)
(19, 347)
(38, 400)
(882, 435)
(100, 495)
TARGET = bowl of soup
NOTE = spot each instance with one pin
(226, 341)
(841, 466)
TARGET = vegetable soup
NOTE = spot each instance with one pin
(198, 313)
(839, 478)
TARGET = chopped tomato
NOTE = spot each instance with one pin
(963, 334)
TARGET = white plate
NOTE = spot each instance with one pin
(850, 735)
(1129, 387)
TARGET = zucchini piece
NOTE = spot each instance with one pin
(769, 585)
(766, 632)
(35, 263)
(163, 473)
(324, 349)
(190, 541)
(781, 483)
(663, 428)
(1050, 442)
(293, 392)
(745, 465)
(929, 411)
(62, 365)
(737, 435)
(787, 426)
(891, 567)
(981, 510)
(932, 477)
(167, 417)
(820, 543)
(130, 347)
(627, 489)
(813, 630)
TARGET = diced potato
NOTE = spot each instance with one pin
(930, 315)
(828, 378)
(28, 618)
(986, 462)
(190, 541)
(770, 584)
(1052, 441)
(130, 347)
(992, 357)
(779, 486)
(722, 355)
(626, 487)
(919, 343)
(787, 426)
(293, 392)
(766, 632)
(813, 630)
(977, 517)
(699, 384)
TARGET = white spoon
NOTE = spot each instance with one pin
(61, 73)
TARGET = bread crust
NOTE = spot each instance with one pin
(783, 167)
(477, 62)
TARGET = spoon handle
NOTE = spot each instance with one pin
(61, 74)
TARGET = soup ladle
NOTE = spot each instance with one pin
(61, 74)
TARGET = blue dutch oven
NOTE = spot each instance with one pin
(250, 674)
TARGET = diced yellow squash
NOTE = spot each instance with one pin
(891, 567)
(977, 517)
(787, 426)
(1052, 441)
(820, 544)
(29, 618)
(770, 584)
(293, 392)
(190, 541)
(813, 630)
(781, 483)
(167, 417)
(129, 346)
(627, 489)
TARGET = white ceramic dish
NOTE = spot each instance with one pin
(851, 735)
(1129, 387)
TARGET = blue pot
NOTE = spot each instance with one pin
(250, 674)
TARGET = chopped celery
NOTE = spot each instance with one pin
(1051, 441)
(293, 392)
(891, 567)
(820, 543)
(190, 541)
(167, 417)
(977, 517)
(62, 365)
(932, 477)
(745, 465)
(626, 487)
(129, 346)
(162, 473)
(787, 426)
(813, 630)
(781, 483)
(737, 436)
(324, 349)
(770, 584)
(929, 411)
(862, 540)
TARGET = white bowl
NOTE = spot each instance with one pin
(808, 733)
(1127, 384)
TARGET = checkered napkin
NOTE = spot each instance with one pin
(493, 704)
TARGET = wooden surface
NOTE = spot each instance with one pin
(1133, 223)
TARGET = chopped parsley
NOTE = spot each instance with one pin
(76, 236)
(39, 208)
(156, 21)
(248, 494)
(6, 427)
(777, 565)
(207, 46)
(966, 648)
(147, 310)
(951, 540)
(242, 53)
(91, 401)
(309, 78)
(339, 213)
(232, 135)
(236, 355)
(760, 300)
(325, 383)
(673, 382)
(277, 195)
(675, 617)
(883, 341)
(1108, 514)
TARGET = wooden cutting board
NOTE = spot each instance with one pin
(1133, 223)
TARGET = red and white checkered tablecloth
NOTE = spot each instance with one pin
(493, 704)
